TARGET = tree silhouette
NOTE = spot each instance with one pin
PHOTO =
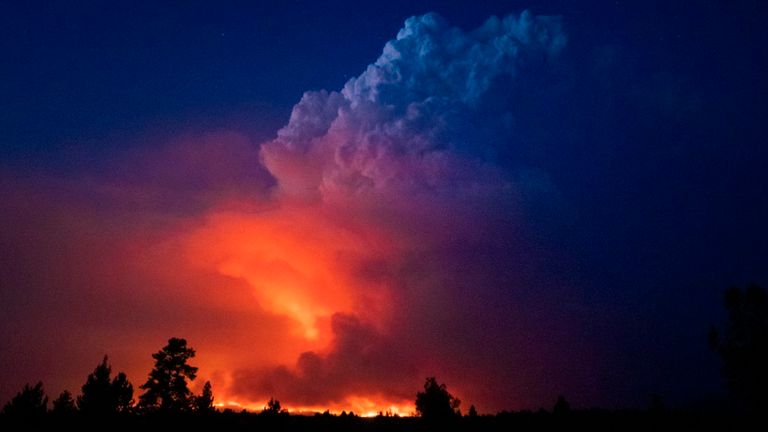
(743, 346)
(435, 402)
(167, 389)
(273, 408)
(103, 395)
(204, 402)
(123, 393)
(562, 406)
(64, 405)
(28, 404)
(472, 411)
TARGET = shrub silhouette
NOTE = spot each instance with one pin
(167, 388)
(435, 402)
(562, 406)
(273, 408)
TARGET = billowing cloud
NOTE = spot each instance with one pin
(405, 124)
(404, 155)
(377, 240)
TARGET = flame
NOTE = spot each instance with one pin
(360, 405)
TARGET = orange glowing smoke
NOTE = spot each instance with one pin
(299, 263)
(296, 261)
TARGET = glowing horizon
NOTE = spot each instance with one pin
(362, 407)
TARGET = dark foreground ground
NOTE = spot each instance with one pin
(231, 421)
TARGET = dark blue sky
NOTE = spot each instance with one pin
(651, 124)
(83, 71)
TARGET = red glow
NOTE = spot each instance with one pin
(295, 262)
(252, 283)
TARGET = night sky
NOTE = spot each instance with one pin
(334, 200)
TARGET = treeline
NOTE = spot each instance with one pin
(165, 392)
(166, 400)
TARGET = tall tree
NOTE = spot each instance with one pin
(103, 395)
(167, 388)
(28, 404)
(743, 345)
(435, 402)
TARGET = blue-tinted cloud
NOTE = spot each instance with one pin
(404, 123)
